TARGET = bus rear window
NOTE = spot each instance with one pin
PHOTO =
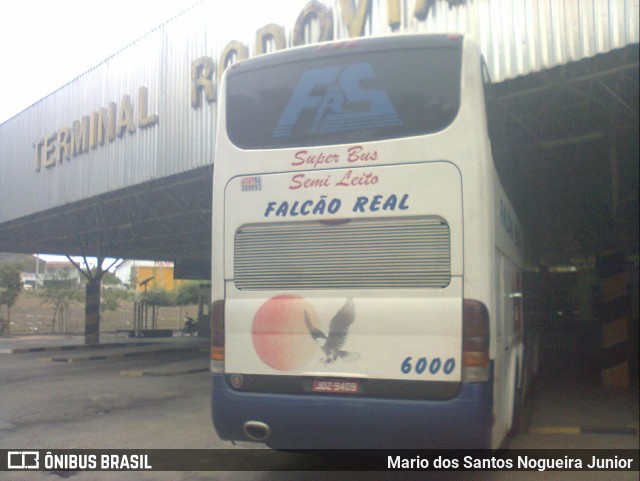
(353, 97)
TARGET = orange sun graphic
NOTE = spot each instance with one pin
(280, 336)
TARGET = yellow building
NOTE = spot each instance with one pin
(150, 275)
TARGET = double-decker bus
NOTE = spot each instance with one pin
(367, 263)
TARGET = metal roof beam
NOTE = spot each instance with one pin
(568, 81)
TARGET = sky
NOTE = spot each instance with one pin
(45, 44)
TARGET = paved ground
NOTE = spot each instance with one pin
(154, 393)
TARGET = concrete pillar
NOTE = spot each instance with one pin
(615, 314)
(92, 313)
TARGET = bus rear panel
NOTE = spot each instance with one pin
(341, 315)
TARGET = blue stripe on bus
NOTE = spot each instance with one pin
(335, 422)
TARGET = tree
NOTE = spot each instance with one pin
(156, 298)
(92, 303)
(10, 287)
(187, 294)
(109, 278)
(111, 298)
(133, 278)
(60, 294)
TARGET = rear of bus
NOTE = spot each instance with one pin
(341, 318)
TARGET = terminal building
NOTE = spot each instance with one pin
(119, 161)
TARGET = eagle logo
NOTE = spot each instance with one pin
(332, 344)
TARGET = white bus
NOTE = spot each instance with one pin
(366, 261)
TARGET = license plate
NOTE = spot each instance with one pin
(336, 386)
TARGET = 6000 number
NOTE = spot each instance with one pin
(422, 365)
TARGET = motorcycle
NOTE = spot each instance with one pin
(190, 326)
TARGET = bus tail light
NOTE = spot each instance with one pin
(217, 337)
(475, 341)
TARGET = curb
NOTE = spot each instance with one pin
(621, 430)
(71, 347)
(138, 373)
(111, 356)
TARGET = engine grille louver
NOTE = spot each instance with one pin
(359, 254)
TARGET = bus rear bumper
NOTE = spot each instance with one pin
(287, 421)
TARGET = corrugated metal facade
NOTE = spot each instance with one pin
(517, 37)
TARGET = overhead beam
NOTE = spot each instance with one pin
(568, 81)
